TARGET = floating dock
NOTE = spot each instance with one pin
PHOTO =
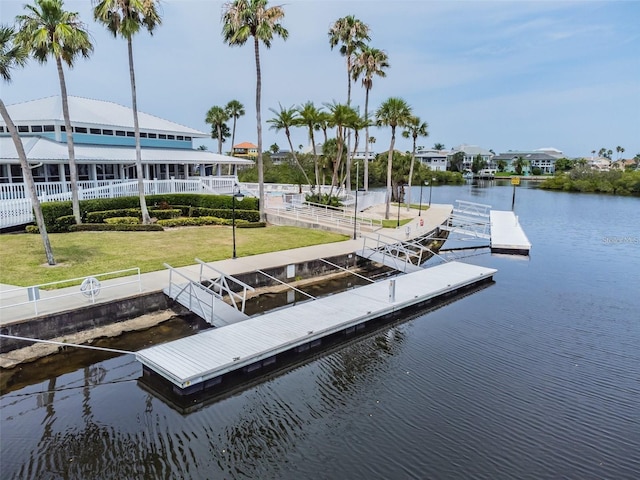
(507, 235)
(201, 362)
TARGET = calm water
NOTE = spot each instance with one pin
(537, 376)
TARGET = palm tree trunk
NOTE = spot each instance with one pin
(295, 157)
(73, 171)
(146, 219)
(389, 171)
(413, 158)
(233, 139)
(365, 183)
(336, 165)
(315, 158)
(219, 128)
(256, 47)
(29, 183)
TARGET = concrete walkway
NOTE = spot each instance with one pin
(15, 307)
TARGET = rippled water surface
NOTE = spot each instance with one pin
(537, 376)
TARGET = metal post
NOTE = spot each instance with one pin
(398, 206)
(420, 211)
(355, 208)
(430, 190)
(233, 223)
(513, 198)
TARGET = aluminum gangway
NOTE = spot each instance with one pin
(470, 219)
(206, 296)
(402, 255)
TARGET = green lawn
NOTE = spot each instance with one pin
(23, 263)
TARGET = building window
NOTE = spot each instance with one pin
(152, 135)
(143, 134)
(188, 139)
(120, 133)
(95, 131)
(171, 137)
(180, 137)
(49, 128)
(36, 128)
(162, 136)
(107, 132)
(63, 128)
(80, 129)
(1, 129)
(131, 134)
(23, 128)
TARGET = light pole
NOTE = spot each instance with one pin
(237, 194)
(399, 186)
(421, 184)
(430, 189)
(355, 208)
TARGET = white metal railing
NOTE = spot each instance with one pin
(220, 285)
(205, 301)
(409, 251)
(15, 207)
(90, 287)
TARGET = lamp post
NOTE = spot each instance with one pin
(355, 208)
(421, 184)
(430, 189)
(237, 195)
(399, 186)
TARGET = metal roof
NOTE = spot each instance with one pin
(43, 149)
(90, 112)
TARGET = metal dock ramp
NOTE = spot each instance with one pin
(205, 296)
(200, 361)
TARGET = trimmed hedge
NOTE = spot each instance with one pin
(251, 225)
(102, 216)
(65, 222)
(122, 221)
(197, 221)
(182, 201)
(119, 227)
(248, 215)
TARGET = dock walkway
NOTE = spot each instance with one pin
(199, 361)
(507, 236)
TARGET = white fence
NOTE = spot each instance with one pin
(15, 207)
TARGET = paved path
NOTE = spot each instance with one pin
(70, 298)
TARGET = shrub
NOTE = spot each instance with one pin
(163, 214)
(32, 229)
(51, 211)
(64, 223)
(103, 215)
(248, 215)
(196, 221)
(122, 220)
(122, 227)
(251, 225)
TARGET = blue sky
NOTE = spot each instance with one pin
(505, 75)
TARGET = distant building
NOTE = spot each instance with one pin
(280, 157)
(245, 150)
(535, 159)
(470, 153)
(601, 164)
(436, 160)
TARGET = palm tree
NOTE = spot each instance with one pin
(284, 120)
(394, 112)
(341, 116)
(217, 117)
(357, 124)
(235, 110)
(369, 62)
(126, 18)
(243, 19)
(11, 55)
(49, 31)
(519, 164)
(414, 129)
(350, 33)
(309, 116)
(620, 150)
(438, 146)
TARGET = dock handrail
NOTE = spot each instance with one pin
(190, 286)
(223, 285)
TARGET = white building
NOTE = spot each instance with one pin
(436, 160)
(103, 136)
